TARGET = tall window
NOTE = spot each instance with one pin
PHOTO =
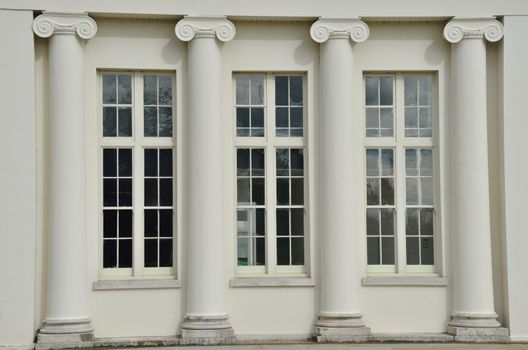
(137, 171)
(399, 172)
(270, 116)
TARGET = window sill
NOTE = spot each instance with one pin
(433, 281)
(272, 282)
(137, 284)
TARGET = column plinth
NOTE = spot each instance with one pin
(340, 319)
(206, 321)
(67, 321)
(473, 316)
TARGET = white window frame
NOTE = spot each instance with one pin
(138, 143)
(399, 143)
(270, 142)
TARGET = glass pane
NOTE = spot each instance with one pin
(387, 191)
(281, 117)
(297, 162)
(426, 119)
(125, 121)
(125, 192)
(297, 222)
(372, 162)
(166, 192)
(109, 162)
(242, 118)
(373, 194)
(260, 227)
(242, 90)
(426, 133)
(151, 253)
(165, 227)
(257, 117)
(109, 88)
(165, 253)
(110, 192)
(281, 132)
(109, 253)
(243, 226)
(109, 121)
(297, 251)
(426, 162)
(257, 162)
(372, 118)
(426, 221)
(150, 96)
(296, 117)
(257, 90)
(242, 162)
(165, 121)
(151, 121)
(387, 162)
(283, 192)
(411, 225)
(125, 223)
(281, 90)
(413, 253)
(427, 251)
(124, 91)
(427, 190)
(151, 162)
(411, 92)
(411, 186)
(297, 191)
(283, 222)
(296, 90)
(125, 162)
(151, 192)
(165, 156)
(283, 251)
(125, 253)
(411, 118)
(387, 222)
(109, 223)
(373, 227)
(373, 251)
(258, 191)
(151, 223)
(243, 191)
(386, 91)
(283, 156)
(243, 251)
(386, 118)
(425, 93)
(411, 164)
(165, 90)
(371, 91)
(387, 250)
(260, 258)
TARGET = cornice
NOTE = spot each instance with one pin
(324, 29)
(50, 23)
(191, 27)
(466, 28)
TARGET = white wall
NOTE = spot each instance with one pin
(515, 125)
(18, 186)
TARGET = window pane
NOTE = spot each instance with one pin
(242, 162)
(387, 221)
(109, 88)
(125, 223)
(283, 192)
(151, 192)
(257, 90)
(125, 192)
(110, 192)
(109, 121)
(150, 223)
(109, 253)
(151, 162)
(258, 191)
(281, 117)
(243, 191)
(411, 190)
(165, 254)
(371, 90)
(109, 162)
(151, 253)
(386, 91)
(297, 191)
(165, 121)
(387, 249)
(373, 251)
(257, 117)
(387, 191)
(411, 91)
(412, 221)
(372, 162)
(426, 221)
(373, 227)
(125, 162)
(165, 192)
(297, 162)
(426, 119)
(412, 249)
(109, 223)
(257, 162)
(425, 92)
(411, 163)
(296, 90)
(283, 222)
(427, 190)
(281, 90)
(297, 222)
(125, 253)
(125, 121)
(297, 251)
(165, 90)
(150, 96)
(387, 162)
(372, 118)
(283, 251)
(411, 118)
(165, 219)
(124, 91)
(260, 227)
(151, 121)
(373, 192)
(427, 251)
(242, 90)
(426, 162)
(386, 115)
(296, 117)
(283, 163)
(165, 168)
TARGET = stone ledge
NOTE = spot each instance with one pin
(432, 281)
(272, 282)
(411, 338)
(479, 335)
(137, 284)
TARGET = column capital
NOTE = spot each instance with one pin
(345, 28)
(49, 23)
(465, 28)
(190, 27)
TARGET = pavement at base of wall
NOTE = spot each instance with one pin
(457, 346)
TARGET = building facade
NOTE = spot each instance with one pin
(205, 172)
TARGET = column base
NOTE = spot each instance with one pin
(65, 334)
(206, 330)
(340, 328)
(479, 328)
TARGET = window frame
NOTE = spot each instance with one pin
(399, 143)
(270, 143)
(138, 143)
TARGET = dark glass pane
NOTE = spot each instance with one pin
(151, 192)
(412, 249)
(151, 162)
(387, 251)
(427, 251)
(411, 225)
(283, 222)
(151, 121)
(125, 223)
(260, 226)
(125, 162)
(373, 221)
(283, 251)
(297, 162)
(125, 121)
(242, 119)
(242, 132)
(386, 91)
(243, 191)
(257, 132)
(296, 117)
(258, 191)
(296, 90)
(109, 88)
(387, 162)
(165, 159)
(109, 121)
(297, 251)
(109, 253)
(283, 192)
(242, 162)
(150, 90)
(281, 117)
(125, 253)
(151, 253)
(281, 90)
(283, 161)
(109, 223)
(109, 162)
(297, 191)
(373, 253)
(426, 221)
(281, 132)
(165, 121)
(296, 132)
(387, 221)
(373, 192)
(165, 192)
(110, 192)
(165, 218)
(124, 91)
(387, 191)
(297, 222)
(257, 162)
(165, 90)
(257, 117)
(151, 223)
(242, 90)
(125, 192)
(371, 91)
(165, 254)
(373, 162)
(261, 251)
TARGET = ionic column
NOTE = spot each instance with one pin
(67, 318)
(340, 317)
(206, 320)
(473, 316)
